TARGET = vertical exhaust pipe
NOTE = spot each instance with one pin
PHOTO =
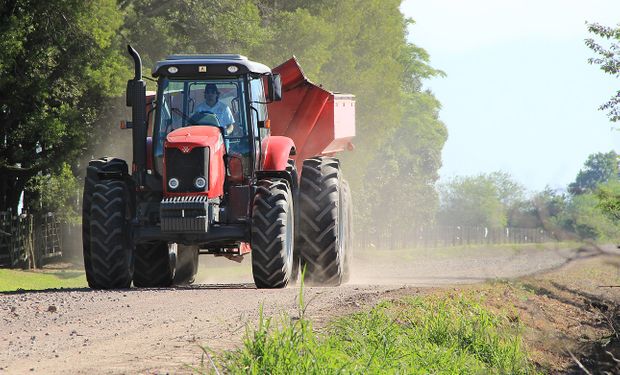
(136, 99)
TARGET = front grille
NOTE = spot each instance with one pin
(186, 214)
(186, 167)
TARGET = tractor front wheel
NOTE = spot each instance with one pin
(111, 252)
(273, 224)
(94, 166)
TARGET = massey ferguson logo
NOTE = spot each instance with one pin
(185, 149)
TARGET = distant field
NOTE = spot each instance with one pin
(11, 280)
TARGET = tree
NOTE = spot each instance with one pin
(608, 195)
(598, 168)
(158, 27)
(59, 62)
(58, 193)
(548, 205)
(609, 61)
(583, 216)
(361, 47)
(482, 200)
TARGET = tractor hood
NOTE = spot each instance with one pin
(189, 137)
(193, 154)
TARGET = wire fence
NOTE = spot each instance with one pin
(447, 236)
(26, 241)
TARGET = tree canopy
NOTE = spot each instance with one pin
(482, 200)
(609, 61)
(599, 168)
(59, 62)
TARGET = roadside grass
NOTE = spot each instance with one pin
(12, 280)
(414, 335)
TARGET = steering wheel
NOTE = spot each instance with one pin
(204, 118)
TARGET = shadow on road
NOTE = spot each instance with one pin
(134, 290)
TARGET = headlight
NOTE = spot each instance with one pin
(173, 183)
(200, 182)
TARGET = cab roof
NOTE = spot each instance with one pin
(205, 65)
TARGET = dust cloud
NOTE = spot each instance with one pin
(220, 270)
(421, 267)
(110, 139)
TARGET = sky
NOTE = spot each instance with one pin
(519, 95)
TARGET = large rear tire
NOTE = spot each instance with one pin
(321, 232)
(111, 252)
(273, 225)
(92, 179)
(152, 266)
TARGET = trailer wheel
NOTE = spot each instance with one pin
(92, 179)
(273, 223)
(186, 264)
(347, 205)
(292, 169)
(321, 234)
(111, 253)
(152, 266)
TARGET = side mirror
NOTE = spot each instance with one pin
(274, 88)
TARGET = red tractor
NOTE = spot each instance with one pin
(216, 155)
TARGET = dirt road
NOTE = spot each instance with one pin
(160, 330)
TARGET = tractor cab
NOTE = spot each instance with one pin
(228, 92)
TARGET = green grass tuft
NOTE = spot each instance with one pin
(418, 335)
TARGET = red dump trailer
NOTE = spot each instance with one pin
(320, 122)
(230, 159)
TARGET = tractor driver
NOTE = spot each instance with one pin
(213, 105)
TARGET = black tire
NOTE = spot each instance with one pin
(111, 253)
(92, 179)
(320, 234)
(186, 265)
(273, 225)
(347, 210)
(292, 169)
(152, 266)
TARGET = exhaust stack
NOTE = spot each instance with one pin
(136, 99)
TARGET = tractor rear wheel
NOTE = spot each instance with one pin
(111, 252)
(322, 232)
(152, 266)
(186, 264)
(273, 225)
(92, 179)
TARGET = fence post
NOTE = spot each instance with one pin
(32, 256)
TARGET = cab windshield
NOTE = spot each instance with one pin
(214, 102)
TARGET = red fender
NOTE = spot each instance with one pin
(277, 150)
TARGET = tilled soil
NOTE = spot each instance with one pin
(161, 330)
